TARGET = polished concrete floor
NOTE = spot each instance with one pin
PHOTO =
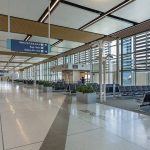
(33, 120)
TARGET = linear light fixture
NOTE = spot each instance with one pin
(12, 57)
(49, 10)
(126, 2)
(44, 16)
(28, 37)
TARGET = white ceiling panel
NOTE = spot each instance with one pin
(137, 11)
(42, 39)
(36, 59)
(58, 50)
(4, 58)
(28, 9)
(9, 68)
(69, 44)
(52, 41)
(18, 60)
(13, 64)
(21, 57)
(107, 26)
(72, 17)
(2, 64)
(54, 53)
(4, 36)
(101, 5)
(17, 68)
(25, 65)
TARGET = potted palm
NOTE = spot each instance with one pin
(86, 94)
(47, 86)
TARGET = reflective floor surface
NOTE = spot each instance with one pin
(34, 120)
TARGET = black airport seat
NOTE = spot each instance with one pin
(122, 90)
(145, 88)
(148, 87)
(72, 87)
(145, 101)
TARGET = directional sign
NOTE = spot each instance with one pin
(3, 72)
(28, 46)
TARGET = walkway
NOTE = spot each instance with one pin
(33, 120)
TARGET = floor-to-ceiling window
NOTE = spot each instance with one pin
(136, 59)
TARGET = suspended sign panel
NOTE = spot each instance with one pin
(28, 46)
(3, 72)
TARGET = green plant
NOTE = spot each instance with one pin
(47, 84)
(85, 89)
(41, 82)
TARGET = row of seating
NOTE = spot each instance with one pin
(24, 81)
(123, 90)
(57, 86)
(133, 90)
(72, 87)
(109, 87)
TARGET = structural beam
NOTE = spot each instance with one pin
(29, 27)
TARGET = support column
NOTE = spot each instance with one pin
(35, 75)
(104, 80)
(91, 66)
(117, 62)
(109, 64)
(13, 76)
(100, 44)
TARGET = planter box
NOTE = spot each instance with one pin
(40, 86)
(86, 98)
(47, 89)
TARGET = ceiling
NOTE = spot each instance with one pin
(71, 14)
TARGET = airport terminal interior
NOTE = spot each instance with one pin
(74, 74)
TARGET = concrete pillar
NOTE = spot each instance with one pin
(100, 44)
(109, 64)
(91, 66)
(35, 75)
(104, 80)
(117, 62)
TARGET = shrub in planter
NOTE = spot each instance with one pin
(86, 94)
(41, 83)
(85, 89)
(47, 86)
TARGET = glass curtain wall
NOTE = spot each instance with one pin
(135, 57)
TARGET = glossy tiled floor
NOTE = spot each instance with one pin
(27, 115)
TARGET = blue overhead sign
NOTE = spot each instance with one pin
(3, 72)
(28, 46)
